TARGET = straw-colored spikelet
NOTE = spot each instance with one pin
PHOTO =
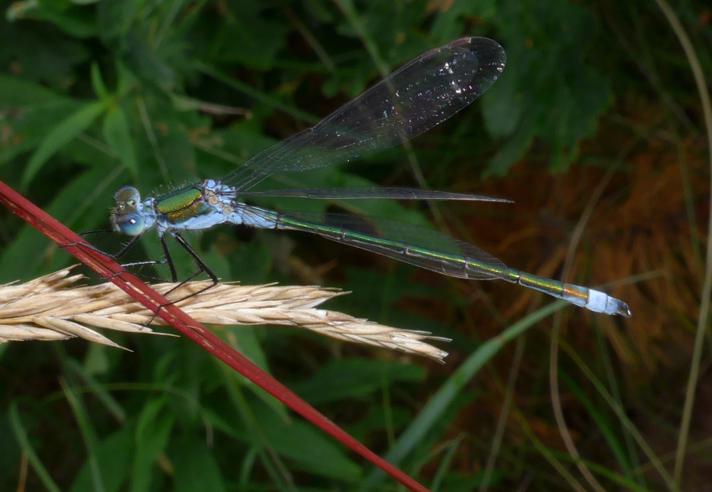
(55, 307)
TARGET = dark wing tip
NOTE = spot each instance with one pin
(489, 52)
(488, 57)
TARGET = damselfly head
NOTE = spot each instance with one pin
(127, 217)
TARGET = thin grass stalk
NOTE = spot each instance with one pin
(620, 413)
(28, 452)
(158, 304)
(555, 333)
(446, 462)
(88, 435)
(702, 320)
(504, 415)
(444, 396)
(548, 455)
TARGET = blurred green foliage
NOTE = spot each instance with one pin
(97, 94)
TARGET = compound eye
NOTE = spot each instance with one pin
(132, 225)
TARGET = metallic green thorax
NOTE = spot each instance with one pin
(182, 204)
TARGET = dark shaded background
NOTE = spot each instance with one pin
(595, 130)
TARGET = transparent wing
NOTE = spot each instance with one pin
(395, 193)
(418, 96)
(419, 246)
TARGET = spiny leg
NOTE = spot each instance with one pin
(114, 256)
(124, 249)
(169, 260)
(139, 264)
(202, 268)
(198, 260)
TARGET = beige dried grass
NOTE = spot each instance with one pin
(57, 307)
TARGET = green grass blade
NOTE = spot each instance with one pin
(702, 328)
(602, 423)
(445, 463)
(97, 82)
(270, 460)
(255, 94)
(504, 416)
(153, 431)
(118, 136)
(29, 451)
(98, 389)
(614, 386)
(65, 131)
(88, 435)
(620, 413)
(602, 471)
(445, 395)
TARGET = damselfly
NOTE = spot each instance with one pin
(418, 96)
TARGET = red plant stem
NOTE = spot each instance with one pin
(152, 300)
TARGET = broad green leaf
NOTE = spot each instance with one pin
(195, 467)
(249, 345)
(502, 106)
(118, 136)
(148, 62)
(355, 378)
(19, 92)
(63, 132)
(510, 152)
(27, 113)
(26, 126)
(75, 20)
(126, 79)
(30, 253)
(150, 439)
(550, 90)
(41, 54)
(451, 18)
(113, 455)
(114, 18)
(97, 82)
(307, 447)
(251, 37)
(250, 262)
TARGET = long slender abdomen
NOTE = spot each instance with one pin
(456, 259)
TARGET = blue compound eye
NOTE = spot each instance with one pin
(129, 224)
(126, 216)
